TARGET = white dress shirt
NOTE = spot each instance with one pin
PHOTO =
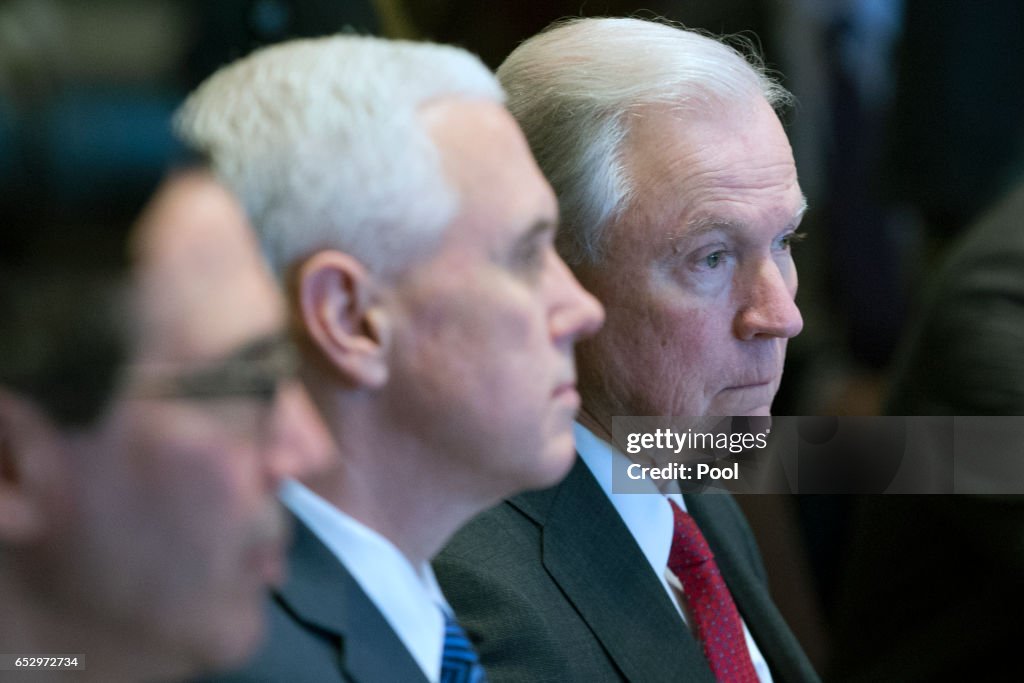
(408, 597)
(649, 519)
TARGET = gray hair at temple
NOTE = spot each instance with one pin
(320, 140)
(574, 87)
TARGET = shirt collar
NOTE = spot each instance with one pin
(647, 515)
(408, 597)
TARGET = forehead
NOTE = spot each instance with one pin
(732, 164)
(203, 289)
(486, 160)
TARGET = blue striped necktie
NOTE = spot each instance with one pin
(459, 663)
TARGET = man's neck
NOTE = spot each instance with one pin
(393, 485)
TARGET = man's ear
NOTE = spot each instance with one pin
(335, 304)
(26, 458)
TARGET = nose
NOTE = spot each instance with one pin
(575, 313)
(769, 307)
(299, 443)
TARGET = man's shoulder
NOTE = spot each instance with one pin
(515, 526)
(293, 651)
(504, 528)
(541, 584)
(324, 627)
(538, 584)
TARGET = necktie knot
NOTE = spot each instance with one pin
(689, 547)
(459, 662)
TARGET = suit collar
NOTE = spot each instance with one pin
(535, 504)
(580, 524)
(321, 593)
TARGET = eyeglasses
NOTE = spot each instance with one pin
(256, 370)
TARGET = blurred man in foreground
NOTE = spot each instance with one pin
(414, 234)
(679, 201)
(141, 444)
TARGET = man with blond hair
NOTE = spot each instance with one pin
(414, 234)
(679, 201)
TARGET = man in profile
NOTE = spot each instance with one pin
(414, 234)
(679, 201)
(141, 445)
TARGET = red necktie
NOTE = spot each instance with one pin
(716, 622)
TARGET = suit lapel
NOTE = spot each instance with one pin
(321, 593)
(780, 648)
(593, 558)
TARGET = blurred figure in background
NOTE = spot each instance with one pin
(946, 570)
(141, 445)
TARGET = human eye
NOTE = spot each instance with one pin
(252, 373)
(230, 384)
(711, 258)
(786, 242)
(529, 256)
(714, 259)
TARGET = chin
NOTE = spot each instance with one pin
(558, 459)
(242, 638)
(240, 633)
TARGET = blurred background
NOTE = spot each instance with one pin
(909, 123)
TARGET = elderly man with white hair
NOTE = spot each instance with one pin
(414, 234)
(679, 202)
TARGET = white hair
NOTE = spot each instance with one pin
(320, 141)
(573, 86)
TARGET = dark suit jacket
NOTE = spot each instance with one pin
(324, 628)
(551, 586)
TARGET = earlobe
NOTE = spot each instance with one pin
(335, 304)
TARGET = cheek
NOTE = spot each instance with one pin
(478, 338)
(204, 480)
(685, 356)
(671, 331)
(657, 349)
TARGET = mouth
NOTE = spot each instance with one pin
(567, 392)
(267, 552)
(755, 381)
(749, 398)
(267, 560)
